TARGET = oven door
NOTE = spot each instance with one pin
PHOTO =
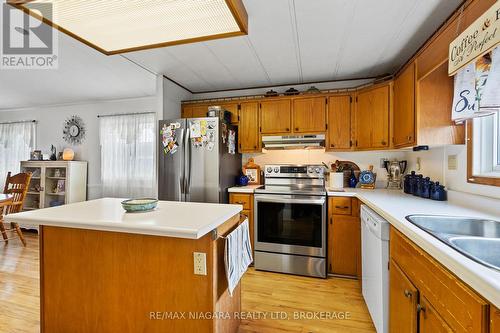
(292, 224)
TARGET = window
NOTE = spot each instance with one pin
(17, 140)
(128, 155)
(484, 150)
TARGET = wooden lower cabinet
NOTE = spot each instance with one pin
(403, 300)
(246, 200)
(344, 236)
(494, 320)
(429, 319)
(445, 303)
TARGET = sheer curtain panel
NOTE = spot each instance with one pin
(17, 140)
(128, 155)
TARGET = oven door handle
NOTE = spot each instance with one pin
(320, 201)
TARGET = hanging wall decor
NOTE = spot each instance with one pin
(74, 130)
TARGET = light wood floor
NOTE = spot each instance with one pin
(264, 294)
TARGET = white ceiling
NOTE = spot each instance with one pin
(289, 42)
(295, 41)
(83, 75)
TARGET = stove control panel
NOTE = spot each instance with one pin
(294, 171)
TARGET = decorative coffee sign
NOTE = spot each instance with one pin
(479, 38)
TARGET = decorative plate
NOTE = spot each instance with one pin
(367, 177)
(74, 130)
(139, 205)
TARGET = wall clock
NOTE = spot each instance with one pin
(74, 130)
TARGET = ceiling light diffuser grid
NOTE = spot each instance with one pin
(117, 26)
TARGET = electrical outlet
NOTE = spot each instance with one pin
(200, 263)
(452, 162)
(418, 165)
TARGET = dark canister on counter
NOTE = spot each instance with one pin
(439, 193)
(407, 182)
(416, 185)
(425, 188)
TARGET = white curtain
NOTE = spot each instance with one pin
(17, 140)
(128, 155)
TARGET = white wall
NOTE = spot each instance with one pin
(173, 95)
(50, 125)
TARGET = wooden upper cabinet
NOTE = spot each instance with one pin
(309, 115)
(363, 126)
(434, 102)
(233, 109)
(404, 108)
(380, 117)
(275, 116)
(248, 130)
(430, 320)
(403, 298)
(372, 117)
(187, 111)
(200, 111)
(339, 123)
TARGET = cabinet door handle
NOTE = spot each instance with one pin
(383, 143)
(341, 207)
(296, 129)
(332, 145)
(240, 202)
(330, 220)
(407, 293)
(420, 308)
(287, 129)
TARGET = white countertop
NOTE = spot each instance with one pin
(173, 219)
(243, 189)
(395, 205)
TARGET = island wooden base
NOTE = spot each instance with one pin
(99, 281)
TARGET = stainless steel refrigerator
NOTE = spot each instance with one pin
(198, 160)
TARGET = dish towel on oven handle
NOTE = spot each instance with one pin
(237, 254)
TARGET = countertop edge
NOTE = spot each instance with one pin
(187, 233)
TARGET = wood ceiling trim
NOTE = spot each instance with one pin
(235, 6)
(290, 84)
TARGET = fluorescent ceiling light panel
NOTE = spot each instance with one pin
(118, 26)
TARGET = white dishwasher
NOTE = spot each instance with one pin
(375, 267)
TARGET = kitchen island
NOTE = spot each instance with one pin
(104, 270)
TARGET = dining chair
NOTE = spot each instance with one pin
(17, 187)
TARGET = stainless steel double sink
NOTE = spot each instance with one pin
(478, 239)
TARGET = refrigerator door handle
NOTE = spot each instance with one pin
(181, 178)
(187, 163)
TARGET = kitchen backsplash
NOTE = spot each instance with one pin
(317, 156)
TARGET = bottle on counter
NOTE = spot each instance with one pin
(353, 181)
